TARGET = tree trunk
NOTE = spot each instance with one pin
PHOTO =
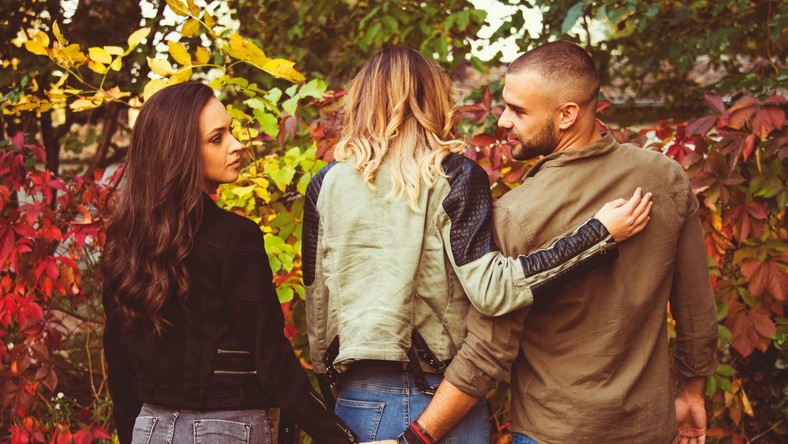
(108, 130)
(51, 144)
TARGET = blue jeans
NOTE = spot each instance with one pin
(380, 401)
(156, 425)
(519, 438)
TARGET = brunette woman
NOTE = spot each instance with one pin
(194, 336)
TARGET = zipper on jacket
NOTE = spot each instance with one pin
(234, 372)
(607, 243)
(232, 352)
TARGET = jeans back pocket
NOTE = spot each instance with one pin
(143, 429)
(221, 431)
(363, 417)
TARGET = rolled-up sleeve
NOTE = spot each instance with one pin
(692, 303)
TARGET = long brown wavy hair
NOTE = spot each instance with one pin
(400, 109)
(159, 212)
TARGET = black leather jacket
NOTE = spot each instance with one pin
(226, 349)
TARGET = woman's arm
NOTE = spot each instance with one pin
(120, 376)
(247, 280)
(496, 284)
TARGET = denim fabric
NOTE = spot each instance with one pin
(519, 438)
(380, 402)
(156, 425)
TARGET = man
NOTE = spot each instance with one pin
(593, 363)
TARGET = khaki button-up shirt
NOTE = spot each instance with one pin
(590, 362)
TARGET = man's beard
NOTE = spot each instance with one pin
(541, 144)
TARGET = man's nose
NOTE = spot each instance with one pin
(504, 121)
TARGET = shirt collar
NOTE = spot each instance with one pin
(602, 146)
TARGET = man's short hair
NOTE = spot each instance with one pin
(563, 63)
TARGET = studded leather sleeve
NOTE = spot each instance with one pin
(494, 283)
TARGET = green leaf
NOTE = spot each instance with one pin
(273, 95)
(243, 191)
(711, 386)
(303, 182)
(725, 384)
(315, 88)
(290, 105)
(725, 370)
(268, 122)
(572, 15)
(285, 293)
(283, 178)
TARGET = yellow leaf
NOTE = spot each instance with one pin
(243, 49)
(42, 38)
(209, 21)
(69, 56)
(161, 67)
(178, 7)
(136, 37)
(190, 28)
(58, 35)
(283, 69)
(99, 55)
(115, 93)
(202, 55)
(113, 50)
(97, 67)
(745, 403)
(83, 104)
(116, 64)
(36, 47)
(193, 8)
(152, 87)
(181, 76)
(179, 53)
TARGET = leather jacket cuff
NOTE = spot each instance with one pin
(589, 247)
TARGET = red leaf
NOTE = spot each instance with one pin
(702, 125)
(83, 436)
(766, 120)
(18, 139)
(775, 100)
(64, 436)
(715, 102)
(482, 140)
(762, 324)
(101, 433)
(766, 275)
(7, 241)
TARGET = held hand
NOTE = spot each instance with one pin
(691, 419)
(626, 218)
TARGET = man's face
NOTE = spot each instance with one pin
(529, 117)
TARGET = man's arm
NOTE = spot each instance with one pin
(693, 307)
(691, 410)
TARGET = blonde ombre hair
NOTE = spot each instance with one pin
(400, 109)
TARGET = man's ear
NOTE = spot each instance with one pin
(568, 113)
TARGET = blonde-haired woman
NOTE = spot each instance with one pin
(397, 245)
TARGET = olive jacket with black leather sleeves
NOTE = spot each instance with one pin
(226, 349)
(375, 269)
